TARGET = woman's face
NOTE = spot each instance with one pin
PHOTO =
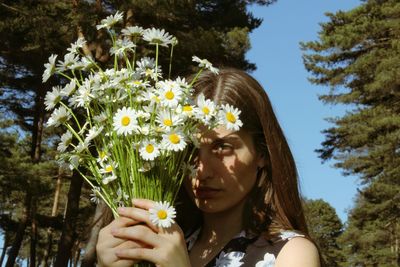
(227, 169)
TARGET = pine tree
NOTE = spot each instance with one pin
(325, 227)
(357, 56)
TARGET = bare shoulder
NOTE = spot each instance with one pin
(298, 252)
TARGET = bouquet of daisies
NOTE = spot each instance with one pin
(129, 131)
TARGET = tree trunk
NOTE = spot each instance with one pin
(66, 241)
(37, 130)
(13, 253)
(53, 214)
(77, 253)
(89, 259)
(32, 262)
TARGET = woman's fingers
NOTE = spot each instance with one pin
(143, 203)
(137, 254)
(105, 236)
(140, 233)
(137, 214)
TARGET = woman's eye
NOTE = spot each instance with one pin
(223, 149)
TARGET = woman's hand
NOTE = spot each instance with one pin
(165, 247)
(107, 244)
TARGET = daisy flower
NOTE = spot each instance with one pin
(66, 139)
(93, 133)
(74, 161)
(124, 121)
(94, 196)
(59, 116)
(102, 157)
(77, 45)
(229, 116)
(206, 109)
(108, 171)
(173, 141)
(145, 63)
(157, 36)
(146, 166)
(53, 97)
(85, 63)
(150, 96)
(144, 129)
(162, 214)
(109, 178)
(70, 59)
(149, 150)
(189, 169)
(170, 93)
(139, 84)
(187, 111)
(84, 94)
(69, 88)
(82, 146)
(133, 31)
(204, 63)
(167, 119)
(49, 68)
(147, 67)
(109, 21)
(121, 47)
(102, 117)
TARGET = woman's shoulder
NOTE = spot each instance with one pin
(298, 252)
(268, 252)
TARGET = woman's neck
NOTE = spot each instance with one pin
(222, 226)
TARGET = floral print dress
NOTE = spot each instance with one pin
(247, 251)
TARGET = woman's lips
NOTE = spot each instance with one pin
(205, 192)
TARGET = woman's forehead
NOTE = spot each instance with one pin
(207, 135)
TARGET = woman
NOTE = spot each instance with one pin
(245, 189)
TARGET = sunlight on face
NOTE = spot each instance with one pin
(227, 169)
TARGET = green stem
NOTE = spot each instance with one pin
(74, 132)
(72, 114)
(197, 76)
(170, 62)
(156, 61)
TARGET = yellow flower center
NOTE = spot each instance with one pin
(169, 95)
(102, 154)
(148, 72)
(230, 117)
(149, 148)
(109, 168)
(174, 138)
(156, 98)
(187, 108)
(137, 82)
(168, 122)
(206, 110)
(162, 214)
(125, 120)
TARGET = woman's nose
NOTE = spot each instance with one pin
(204, 166)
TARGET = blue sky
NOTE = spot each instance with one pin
(276, 52)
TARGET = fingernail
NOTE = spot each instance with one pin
(121, 209)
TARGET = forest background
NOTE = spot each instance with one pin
(46, 217)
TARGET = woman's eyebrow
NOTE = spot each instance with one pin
(226, 138)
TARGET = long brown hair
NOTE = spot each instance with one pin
(274, 203)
